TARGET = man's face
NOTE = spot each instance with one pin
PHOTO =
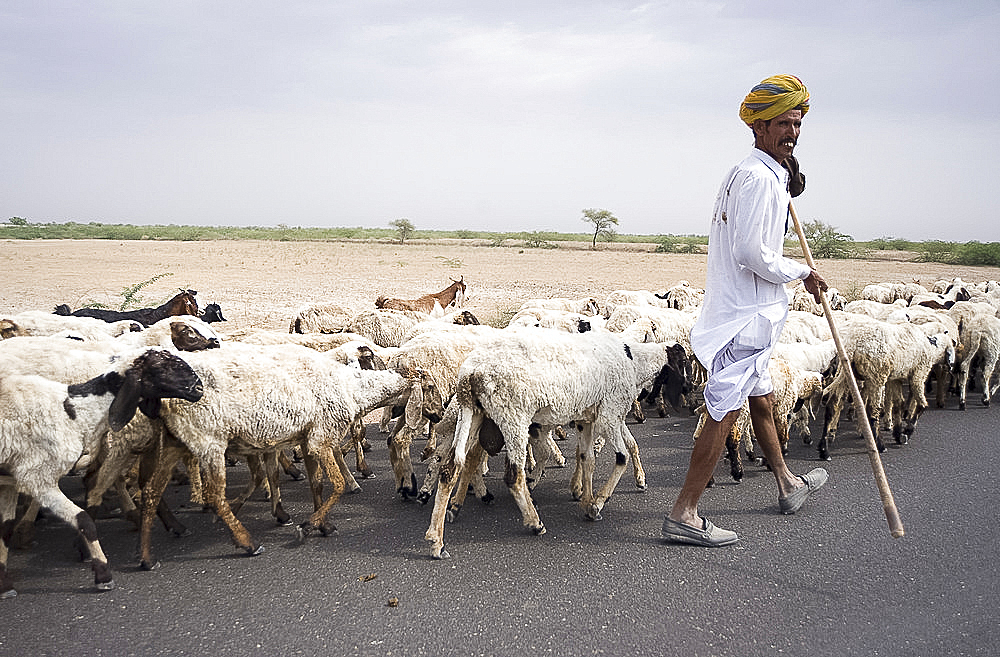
(778, 136)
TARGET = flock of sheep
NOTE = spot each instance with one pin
(129, 398)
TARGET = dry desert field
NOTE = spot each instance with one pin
(263, 283)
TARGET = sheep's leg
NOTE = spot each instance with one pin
(257, 475)
(587, 459)
(431, 445)
(593, 511)
(164, 460)
(833, 396)
(288, 467)
(536, 466)
(56, 501)
(383, 423)
(447, 478)
(194, 478)
(399, 442)
(8, 506)
(272, 465)
(351, 484)
(962, 382)
(943, 377)
(214, 467)
(733, 452)
(315, 478)
(989, 365)
(433, 469)
(23, 532)
(147, 466)
(637, 413)
(357, 433)
(473, 462)
(326, 454)
(576, 480)
(516, 482)
(638, 472)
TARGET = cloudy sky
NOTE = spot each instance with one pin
(491, 116)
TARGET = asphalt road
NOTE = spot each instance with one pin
(827, 581)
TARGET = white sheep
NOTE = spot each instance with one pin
(328, 317)
(802, 299)
(801, 326)
(631, 298)
(584, 306)
(439, 354)
(46, 425)
(36, 322)
(880, 352)
(979, 334)
(548, 379)
(562, 320)
(386, 328)
(683, 296)
(261, 398)
(874, 309)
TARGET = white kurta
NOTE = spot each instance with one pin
(745, 300)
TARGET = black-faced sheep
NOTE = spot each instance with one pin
(47, 425)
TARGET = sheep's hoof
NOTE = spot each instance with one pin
(641, 485)
(423, 497)
(452, 512)
(367, 473)
(183, 532)
(283, 522)
(539, 529)
(986, 403)
(440, 555)
(145, 565)
(807, 440)
(9, 593)
(961, 405)
(487, 498)
(253, 552)
(105, 586)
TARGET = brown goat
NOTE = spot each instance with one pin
(432, 304)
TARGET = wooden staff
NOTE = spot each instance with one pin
(888, 503)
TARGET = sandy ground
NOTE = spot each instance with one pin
(263, 283)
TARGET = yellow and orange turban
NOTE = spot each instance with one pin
(773, 97)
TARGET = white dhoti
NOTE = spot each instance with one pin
(738, 371)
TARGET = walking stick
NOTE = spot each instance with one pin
(888, 503)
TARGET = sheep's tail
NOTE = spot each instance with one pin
(463, 427)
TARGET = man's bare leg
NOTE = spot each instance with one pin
(762, 419)
(704, 457)
(792, 490)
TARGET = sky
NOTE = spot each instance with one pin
(488, 116)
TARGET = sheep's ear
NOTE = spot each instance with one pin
(415, 405)
(150, 407)
(378, 362)
(125, 403)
